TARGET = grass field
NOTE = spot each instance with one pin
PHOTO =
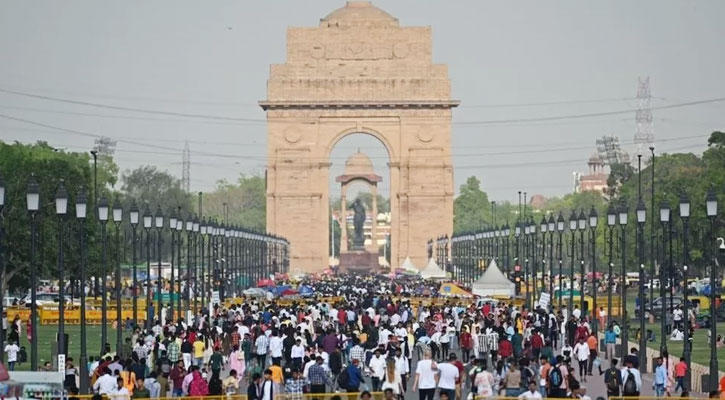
(47, 333)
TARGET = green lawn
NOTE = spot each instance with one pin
(47, 333)
(700, 352)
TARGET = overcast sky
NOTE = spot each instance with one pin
(505, 59)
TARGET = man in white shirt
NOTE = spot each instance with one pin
(447, 376)
(120, 392)
(106, 383)
(276, 347)
(581, 352)
(12, 349)
(402, 368)
(531, 394)
(297, 354)
(377, 370)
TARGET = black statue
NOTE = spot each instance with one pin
(358, 223)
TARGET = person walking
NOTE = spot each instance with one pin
(631, 379)
(613, 379)
(317, 377)
(660, 378)
(610, 341)
(392, 380)
(680, 373)
(425, 380)
(377, 370)
(512, 381)
(447, 376)
(581, 351)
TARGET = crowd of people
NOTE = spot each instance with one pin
(371, 339)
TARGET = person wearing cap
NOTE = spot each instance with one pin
(354, 376)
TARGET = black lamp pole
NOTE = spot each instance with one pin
(560, 254)
(611, 221)
(665, 212)
(32, 197)
(147, 224)
(133, 218)
(685, 216)
(552, 227)
(174, 262)
(81, 210)
(711, 208)
(582, 222)
(61, 209)
(189, 228)
(117, 219)
(534, 277)
(159, 225)
(641, 218)
(179, 246)
(593, 219)
(544, 228)
(623, 214)
(103, 218)
(572, 228)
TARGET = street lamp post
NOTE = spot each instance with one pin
(551, 229)
(197, 237)
(159, 225)
(133, 215)
(189, 228)
(172, 229)
(61, 209)
(147, 224)
(544, 225)
(117, 219)
(593, 219)
(532, 243)
(32, 197)
(179, 246)
(527, 233)
(685, 216)
(582, 222)
(204, 229)
(665, 212)
(641, 218)
(611, 221)
(81, 211)
(103, 219)
(623, 214)
(711, 208)
(560, 230)
(572, 229)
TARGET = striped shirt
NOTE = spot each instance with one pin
(261, 344)
(482, 343)
(492, 339)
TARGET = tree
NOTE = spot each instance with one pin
(471, 209)
(48, 166)
(149, 186)
(245, 201)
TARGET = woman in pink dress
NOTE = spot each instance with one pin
(236, 361)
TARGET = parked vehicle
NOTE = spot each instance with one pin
(656, 307)
(44, 299)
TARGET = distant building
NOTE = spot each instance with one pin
(538, 202)
(596, 179)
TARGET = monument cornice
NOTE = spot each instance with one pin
(312, 104)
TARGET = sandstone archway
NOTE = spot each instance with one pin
(358, 72)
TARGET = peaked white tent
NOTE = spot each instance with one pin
(493, 283)
(433, 271)
(409, 266)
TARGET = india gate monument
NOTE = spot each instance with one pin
(359, 71)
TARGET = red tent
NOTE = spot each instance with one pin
(265, 283)
(599, 275)
(290, 292)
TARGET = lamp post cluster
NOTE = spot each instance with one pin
(220, 260)
(470, 251)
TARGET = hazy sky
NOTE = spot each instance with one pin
(212, 58)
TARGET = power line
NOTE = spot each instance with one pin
(482, 122)
(547, 103)
(133, 109)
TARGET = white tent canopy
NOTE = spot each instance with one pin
(433, 271)
(493, 283)
(409, 266)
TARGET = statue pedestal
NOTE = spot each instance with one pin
(359, 261)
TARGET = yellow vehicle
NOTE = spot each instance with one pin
(703, 302)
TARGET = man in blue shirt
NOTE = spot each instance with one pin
(354, 376)
(610, 340)
(660, 378)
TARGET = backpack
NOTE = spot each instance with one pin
(343, 379)
(555, 378)
(630, 386)
(611, 380)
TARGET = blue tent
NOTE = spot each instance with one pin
(306, 291)
(279, 289)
